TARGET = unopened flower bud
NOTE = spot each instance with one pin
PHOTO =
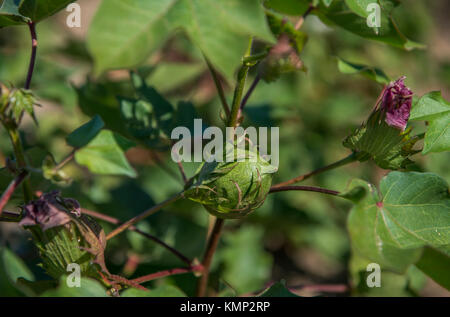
(383, 137)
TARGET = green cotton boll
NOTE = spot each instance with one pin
(232, 189)
(63, 235)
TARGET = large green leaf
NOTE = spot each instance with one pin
(124, 32)
(338, 14)
(436, 110)
(13, 12)
(105, 155)
(436, 265)
(411, 210)
(85, 133)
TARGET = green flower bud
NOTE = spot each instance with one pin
(232, 189)
(63, 235)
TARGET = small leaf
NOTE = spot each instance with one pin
(85, 133)
(373, 73)
(338, 14)
(436, 110)
(277, 290)
(391, 226)
(105, 155)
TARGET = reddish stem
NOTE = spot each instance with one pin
(133, 228)
(154, 276)
(34, 43)
(10, 190)
(207, 259)
(304, 188)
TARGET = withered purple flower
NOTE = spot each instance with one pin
(50, 210)
(396, 101)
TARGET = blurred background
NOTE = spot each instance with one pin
(297, 237)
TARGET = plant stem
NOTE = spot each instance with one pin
(20, 158)
(218, 87)
(304, 188)
(250, 91)
(239, 89)
(10, 189)
(299, 23)
(133, 228)
(183, 174)
(10, 217)
(34, 43)
(154, 276)
(349, 159)
(209, 253)
(66, 160)
(143, 215)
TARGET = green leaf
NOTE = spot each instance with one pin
(150, 117)
(338, 14)
(88, 288)
(411, 210)
(13, 12)
(38, 10)
(247, 265)
(277, 290)
(161, 291)
(360, 6)
(105, 155)
(11, 269)
(123, 33)
(85, 133)
(392, 284)
(10, 15)
(436, 265)
(290, 7)
(372, 73)
(169, 76)
(436, 110)
(214, 25)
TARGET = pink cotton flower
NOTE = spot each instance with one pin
(49, 211)
(396, 101)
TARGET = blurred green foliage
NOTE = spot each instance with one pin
(297, 236)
